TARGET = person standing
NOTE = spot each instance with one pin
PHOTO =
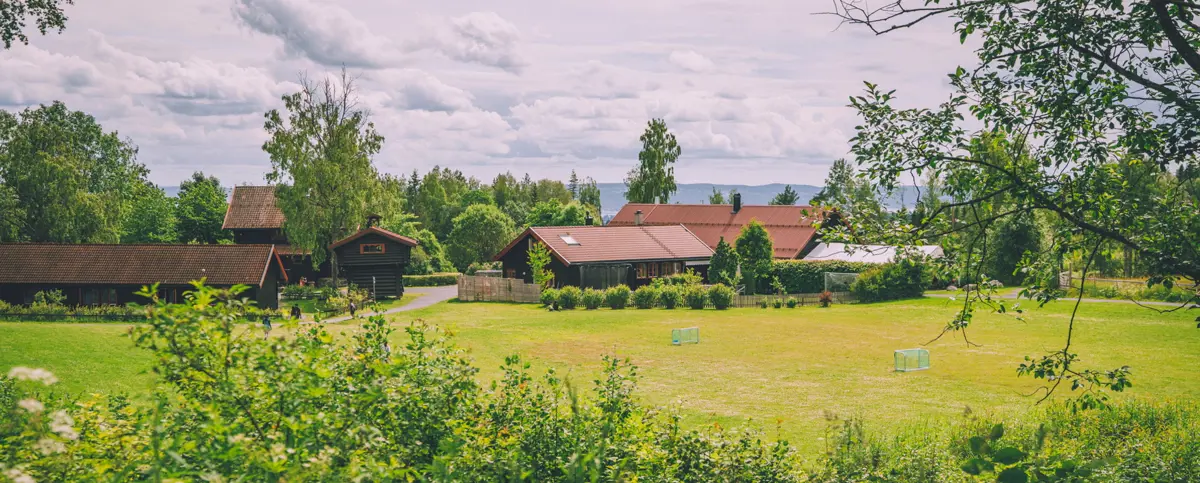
(266, 322)
(296, 312)
(352, 309)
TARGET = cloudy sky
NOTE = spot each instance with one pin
(755, 95)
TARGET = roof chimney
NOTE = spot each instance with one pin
(588, 220)
(373, 220)
(737, 202)
(637, 218)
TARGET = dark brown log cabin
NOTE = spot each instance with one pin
(604, 256)
(374, 259)
(92, 274)
(255, 218)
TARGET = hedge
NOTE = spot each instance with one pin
(891, 281)
(434, 280)
(801, 276)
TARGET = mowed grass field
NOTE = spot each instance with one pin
(784, 369)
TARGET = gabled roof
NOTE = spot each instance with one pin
(788, 226)
(54, 263)
(253, 207)
(591, 244)
(868, 253)
(377, 231)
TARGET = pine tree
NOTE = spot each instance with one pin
(788, 197)
(722, 268)
(716, 198)
(573, 185)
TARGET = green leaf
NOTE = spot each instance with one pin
(996, 433)
(1012, 475)
(1008, 456)
(976, 466)
(977, 444)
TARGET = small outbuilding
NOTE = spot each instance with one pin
(604, 256)
(374, 259)
(869, 253)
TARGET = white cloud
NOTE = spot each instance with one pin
(690, 60)
(479, 37)
(324, 33)
(418, 90)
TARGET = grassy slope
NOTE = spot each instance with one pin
(778, 366)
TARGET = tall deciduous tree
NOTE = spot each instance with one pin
(756, 252)
(839, 186)
(152, 217)
(716, 198)
(479, 233)
(200, 209)
(787, 197)
(539, 259)
(653, 180)
(723, 266)
(1080, 85)
(47, 15)
(72, 181)
(321, 150)
(589, 195)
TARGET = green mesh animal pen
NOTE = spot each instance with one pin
(912, 360)
(690, 335)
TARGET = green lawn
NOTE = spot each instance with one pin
(309, 307)
(785, 367)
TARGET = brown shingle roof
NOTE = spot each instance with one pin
(617, 243)
(253, 207)
(790, 230)
(53, 263)
(378, 231)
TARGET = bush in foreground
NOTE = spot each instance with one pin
(617, 297)
(645, 297)
(569, 297)
(721, 296)
(669, 297)
(592, 298)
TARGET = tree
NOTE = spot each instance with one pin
(756, 252)
(412, 189)
(152, 219)
(476, 197)
(553, 213)
(1013, 237)
(505, 190)
(539, 259)
(429, 255)
(1079, 85)
(47, 15)
(839, 184)
(200, 210)
(653, 180)
(788, 197)
(716, 198)
(723, 266)
(321, 164)
(479, 233)
(589, 195)
(573, 185)
(71, 181)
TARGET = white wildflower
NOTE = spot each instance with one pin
(63, 425)
(212, 478)
(31, 405)
(18, 476)
(49, 446)
(26, 374)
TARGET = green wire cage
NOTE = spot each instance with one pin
(689, 335)
(909, 360)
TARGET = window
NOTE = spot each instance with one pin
(641, 270)
(653, 270)
(510, 273)
(370, 248)
(569, 240)
(668, 269)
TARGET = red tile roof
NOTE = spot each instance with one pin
(253, 207)
(53, 263)
(378, 231)
(617, 243)
(790, 230)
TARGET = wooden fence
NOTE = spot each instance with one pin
(492, 289)
(801, 299)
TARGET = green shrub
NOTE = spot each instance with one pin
(434, 280)
(474, 268)
(548, 296)
(592, 298)
(799, 276)
(645, 297)
(569, 297)
(791, 302)
(617, 297)
(669, 297)
(688, 277)
(891, 281)
(762, 304)
(721, 296)
(826, 298)
(777, 303)
(695, 296)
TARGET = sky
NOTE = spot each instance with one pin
(755, 95)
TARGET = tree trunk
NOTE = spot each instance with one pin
(1128, 262)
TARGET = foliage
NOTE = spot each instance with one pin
(476, 197)
(307, 292)
(891, 281)
(152, 217)
(755, 253)
(787, 197)
(849, 195)
(645, 297)
(589, 196)
(721, 296)
(653, 180)
(65, 180)
(617, 297)
(722, 267)
(479, 233)
(696, 296)
(553, 213)
(763, 303)
(476, 267)
(716, 198)
(592, 298)
(539, 259)
(46, 14)
(429, 256)
(1013, 238)
(825, 298)
(320, 150)
(670, 296)
(339, 302)
(548, 296)
(432, 280)
(792, 302)
(777, 303)
(806, 276)
(1158, 292)
(200, 210)
(569, 297)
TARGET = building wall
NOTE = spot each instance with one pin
(359, 267)
(515, 264)
(123, 294)
(259, 236)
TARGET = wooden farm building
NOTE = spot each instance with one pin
(790, 227)
(374, 259)
(603, 256)
(254, 218)
(91, 274)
